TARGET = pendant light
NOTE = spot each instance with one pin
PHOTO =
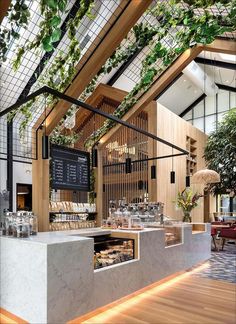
(187, 181)
(140, 185)
(128, 166)
(153, 167)
(45, 138)
(94, 149)
(172, 173)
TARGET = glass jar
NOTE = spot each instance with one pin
(22, 226)
(33, 223)
(3, 224)
(9, 220)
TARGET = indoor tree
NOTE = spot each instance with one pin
(220, 155)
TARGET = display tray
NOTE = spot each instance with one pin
(131, 228)
(123, 228)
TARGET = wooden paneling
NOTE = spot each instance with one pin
(226, 46)
(174, 129)
(152, 149)
(40, 190)
(103, 51)
(4, 5)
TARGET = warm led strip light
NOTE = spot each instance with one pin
(105, 313)
(9, 318)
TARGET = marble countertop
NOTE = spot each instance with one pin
(76, 235)
(61, 236)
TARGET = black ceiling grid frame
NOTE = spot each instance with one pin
(93, 29)
(86, 106)
(23, 94)
(37, 72)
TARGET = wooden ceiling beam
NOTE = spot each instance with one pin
(103, 51)
(219, 45)
(4, 6)
(225, 46)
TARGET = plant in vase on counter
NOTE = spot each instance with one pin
(187, 200)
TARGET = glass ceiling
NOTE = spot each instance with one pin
(14, 85)
(24, 80)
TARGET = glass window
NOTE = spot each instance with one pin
(210, 124)
(223, 100)
(199, 110)
(232, 100)
(188, 115)
(220, 116)
(210, 105)
(199, 123)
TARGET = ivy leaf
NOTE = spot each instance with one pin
(56, 35)
(52, 4)
(47, 45)
(62, 5)
(55, 21)
(185, 20)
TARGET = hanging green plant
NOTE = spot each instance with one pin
(63, 66)
(18, 16)
(64, 139)
(143, 34)
(191, 30)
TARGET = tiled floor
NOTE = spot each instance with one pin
(222, 265)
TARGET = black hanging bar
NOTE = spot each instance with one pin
(84, 105)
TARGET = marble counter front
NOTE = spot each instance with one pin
(50, 278)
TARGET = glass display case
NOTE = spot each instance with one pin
(112, 250)
(173, 235)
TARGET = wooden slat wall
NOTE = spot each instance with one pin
(117, 183)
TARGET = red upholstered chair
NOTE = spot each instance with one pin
(227, 234)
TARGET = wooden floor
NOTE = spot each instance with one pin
(184, 300)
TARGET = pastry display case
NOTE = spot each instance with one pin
(173, 235)
(112, 250)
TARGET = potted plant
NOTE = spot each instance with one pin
(187, 200)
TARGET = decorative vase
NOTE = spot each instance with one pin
(187, 216)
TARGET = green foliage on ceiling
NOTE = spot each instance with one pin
(191, 30)
(64, 139)
(18, 15)
(63, 69)
(143, 35)
(220, 154)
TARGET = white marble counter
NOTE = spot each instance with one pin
(50, 278)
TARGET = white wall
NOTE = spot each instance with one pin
(22, 173)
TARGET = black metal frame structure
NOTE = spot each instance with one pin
(62, 96)
(47, 90)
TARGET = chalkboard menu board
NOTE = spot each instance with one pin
(69, 168)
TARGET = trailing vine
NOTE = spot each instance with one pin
(191, 29)
(64, 64)
(18, 16)
(64, 139)
(143, 35)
